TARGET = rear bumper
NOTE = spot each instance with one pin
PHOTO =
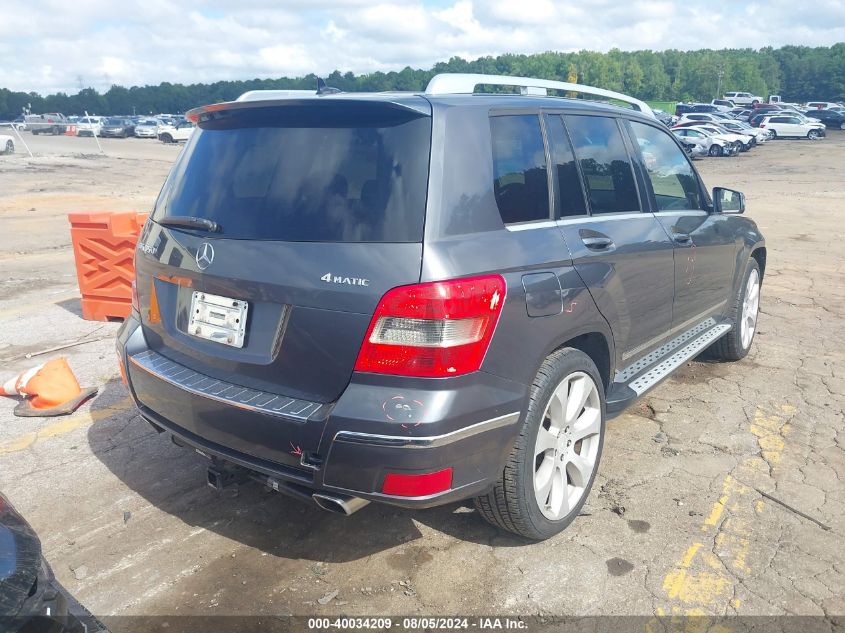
(379, 425)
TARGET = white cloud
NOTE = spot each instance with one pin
(46, 45)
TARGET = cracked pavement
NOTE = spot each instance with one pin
(720, 492)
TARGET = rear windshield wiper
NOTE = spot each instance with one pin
(190, 222)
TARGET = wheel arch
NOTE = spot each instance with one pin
(759, 254)
(597, 346)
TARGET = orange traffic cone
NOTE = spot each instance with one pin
(52, 387)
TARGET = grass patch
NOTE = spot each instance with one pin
(666, 106)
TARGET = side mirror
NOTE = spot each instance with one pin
(728, 200)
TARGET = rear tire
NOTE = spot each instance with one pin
(557, 452)
(166, 138)
(743, 314)
(10, 147)
(774, 134)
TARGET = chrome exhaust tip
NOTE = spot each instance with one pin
(339, 504)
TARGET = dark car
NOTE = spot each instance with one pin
(118, 128)
(31, 600)
(833, 119)
(684, 108)
(417, 299)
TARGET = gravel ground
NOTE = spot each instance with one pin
(719, 493)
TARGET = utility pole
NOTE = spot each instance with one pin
(720, 71)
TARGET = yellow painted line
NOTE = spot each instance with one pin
(715, 513)
(63, 427)
(698, 583)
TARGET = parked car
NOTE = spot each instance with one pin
(702, 117)
(746, 141)
(338, 303)
(7, 144)
(822, 105)
(684, 108)
(723, 105)
(147, 128)
(19, 123)
(664, 117)
(694, 147)
(832, 119)
(117, 128)
(31, 598)
(180, 131)
(89, 126)
(740, 127)
(742, 98)
(716, 144)
(50, 123)
(785, 125)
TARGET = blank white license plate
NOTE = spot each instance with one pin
(218, 319)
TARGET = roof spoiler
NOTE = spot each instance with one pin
(460, 83)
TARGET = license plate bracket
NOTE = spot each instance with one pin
(218, 319)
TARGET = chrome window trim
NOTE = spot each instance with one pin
(430, 441)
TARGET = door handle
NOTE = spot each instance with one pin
(682, 238)
(597, 243)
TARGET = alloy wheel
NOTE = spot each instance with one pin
(750, 308)
(567, 445)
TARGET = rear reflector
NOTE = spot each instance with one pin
(417, 485)
(434, 329)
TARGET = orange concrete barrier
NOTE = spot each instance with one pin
(104, 249)
(70, 130)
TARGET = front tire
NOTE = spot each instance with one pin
(716, 150)
(553, 463)
(813, 135)
(743, 315)
(10, 147)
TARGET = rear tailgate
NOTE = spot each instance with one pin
(320, 207)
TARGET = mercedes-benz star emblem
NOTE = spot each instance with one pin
(205, 255)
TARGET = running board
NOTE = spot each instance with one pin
(637, 379)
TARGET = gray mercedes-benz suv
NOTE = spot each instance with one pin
(418, 298)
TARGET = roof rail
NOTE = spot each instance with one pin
(460, 83)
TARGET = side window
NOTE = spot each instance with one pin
(672, 177)
(519, 168)
(604, 161)
(570, 194)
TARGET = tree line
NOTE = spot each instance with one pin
(797, 73)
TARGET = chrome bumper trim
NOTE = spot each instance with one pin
(222, 391)
(430, 441)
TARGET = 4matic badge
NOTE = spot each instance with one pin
(340, 279)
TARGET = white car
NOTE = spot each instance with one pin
(783, 125)
(147, 128)
(822, 105)
(175, 133)
(742, 98)
(760, 136)
(716, 146)
(7, 144)
(724, 105)
(702, 117)
(89, 126)
(744, 140)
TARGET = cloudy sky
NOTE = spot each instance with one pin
(60, 45)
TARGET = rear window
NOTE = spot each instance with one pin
(340, 172)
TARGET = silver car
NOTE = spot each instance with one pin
(147, 128)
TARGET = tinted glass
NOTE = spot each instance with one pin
(519, 168)
(604, 162)
(672, 177)
(570, 194)
(114, 121)
(328, 173)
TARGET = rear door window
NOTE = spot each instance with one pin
(604, 161)
(570, 195)
(306, 173)
(520, 179)
(669, 171)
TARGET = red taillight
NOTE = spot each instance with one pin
(135, 302)
(417, 485)
(434, 329)
(762, 125)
